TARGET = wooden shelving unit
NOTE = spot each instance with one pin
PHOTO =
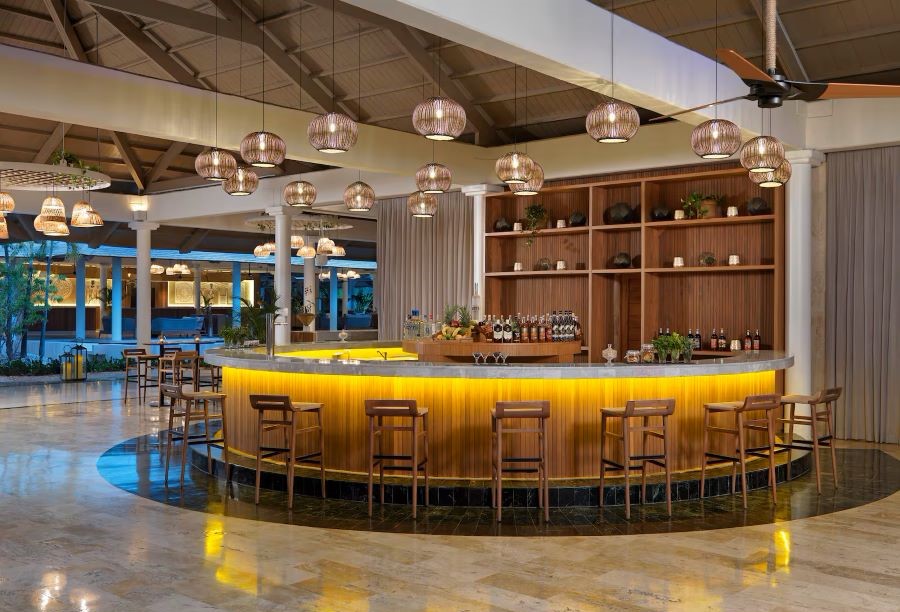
(625, 306)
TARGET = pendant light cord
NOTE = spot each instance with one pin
(612, 48)
(358, 81)
(241, 54)
(263, 31)
(715, 60)
(217, 76)
(333, 57)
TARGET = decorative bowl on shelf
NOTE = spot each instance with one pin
(620, 212)
(543, 264)
(577, 219)
(758, 206)
(660, 212)
(343, 335)
(621, 260)
(502, 225)
(706, 259)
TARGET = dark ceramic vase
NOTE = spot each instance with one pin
(620, 212)
(577, 219)
(621, 260)
(758, 206)
(660, 213)
(502, 225)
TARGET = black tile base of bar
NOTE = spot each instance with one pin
(686, 487)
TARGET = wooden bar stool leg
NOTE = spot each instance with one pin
(292, 458)
(205, 403)
(127, 373)
(321, 451)
(601, 492)
(790, 408)
(259, 443)
(626, 463)
(815, 445)
(773, 481)
(742, 455)
(169, 437)
(381, 461)
(415, 464)
(493, 458)
(705, 450)
(228, 467)
(499, 461)
(371, 452)
(425, 429)
(667, 458)
(644, 435)
(829, 414)
(545, 461)
(188, 408)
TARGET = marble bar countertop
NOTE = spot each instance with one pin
(256, 359)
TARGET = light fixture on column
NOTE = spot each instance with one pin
(612, 121)
(84, 215)
(263, 149)
(333, 132)
(533, 185)
(139, 206)
(776, 178)
(4, 230)
(438, 117)
(325, 275)
(299, 193)
(359, 197)
(422, 205)
(53, 216)
(243, 183)
(433, 178)
(762, 154)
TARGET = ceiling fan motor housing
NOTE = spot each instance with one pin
(770, 95)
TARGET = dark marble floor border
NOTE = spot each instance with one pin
(520, 493)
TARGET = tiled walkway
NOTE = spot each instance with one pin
(69, 540)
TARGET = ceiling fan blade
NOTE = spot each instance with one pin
(742, 66)
(834, 91)
(696, 108)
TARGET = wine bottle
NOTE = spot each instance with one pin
(516, 329)
(723, 340)
(507, 330)
(748, 341)
(498, 329)
(698, 340)
(714, 340)
(756, 341)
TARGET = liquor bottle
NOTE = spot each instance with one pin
(498, 329)
(748, 341)
(516, 329)
(668, 333)
(690, 337)
(659, 333)
(526, 329)
(507, 330)
(698, 340)
(714, 340)
(548, 329)
(579, 334)
(756, 341)
(723, 340)
(539, 334)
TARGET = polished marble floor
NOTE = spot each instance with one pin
(70, 540)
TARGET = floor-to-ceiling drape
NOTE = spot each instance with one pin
(863, 291)
(422, 263)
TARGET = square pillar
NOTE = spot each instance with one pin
(236, 294)
(333, 313)
(142, 230)
(115, 305)
(80, 298)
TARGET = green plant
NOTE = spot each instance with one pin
(535, 218)
(301, 306)
(234, 336)
(674, 345)
(693, 205)
(104, 363)
(253, 315)
(362, 301)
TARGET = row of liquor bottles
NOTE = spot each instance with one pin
(718, 341)
(556, 326)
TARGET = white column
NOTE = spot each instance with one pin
(798, 274)
(142, 231)
(478, 193)
(282, 272)
(310, 282)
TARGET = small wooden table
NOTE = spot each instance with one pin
(461, 350)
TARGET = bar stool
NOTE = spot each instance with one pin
(189, 409)
(172, 367)
(378, 410)
(215, 375)
(287, 420)
(133, 368)
(539, 410)
(821, 409)
(643, 409)
(203, 401)
(742, 425)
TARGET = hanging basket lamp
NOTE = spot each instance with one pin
(263, 149)
(7, 204)
(359, 197)
(533, 185)
(716, 139)
(215, 165)
(84, 215)
(776, 178)
(299, 193)
(422, 205)
(762, 154)
(439, 118)
(433, 178)
(612, 121)
(243, 183)
(514, 167)
(332, 133)
(307, 252)
(4, 230)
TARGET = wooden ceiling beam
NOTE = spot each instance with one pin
(165, 161)
(53, 140)
(130, 159)
(18, 39)
(156, 54)
(170, 13)
(21, 12)
(193, 240)
(66, 32)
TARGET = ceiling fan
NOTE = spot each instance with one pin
(769, 89)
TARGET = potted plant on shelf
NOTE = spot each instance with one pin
(535, 218)
(697, 206)
(673, 347)
(304, 311)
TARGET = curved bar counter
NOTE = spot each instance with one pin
(460, 397)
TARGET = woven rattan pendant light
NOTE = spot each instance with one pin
(215, 164)
(514, 167)
(7, 203)
(359, 196)
(612, 121)
(332, 132)
(263, 149)
(439, 117)
(422, 205)
(534, 183)
(776, 178)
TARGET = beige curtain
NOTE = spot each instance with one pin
(863, 291)
(422, 263)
